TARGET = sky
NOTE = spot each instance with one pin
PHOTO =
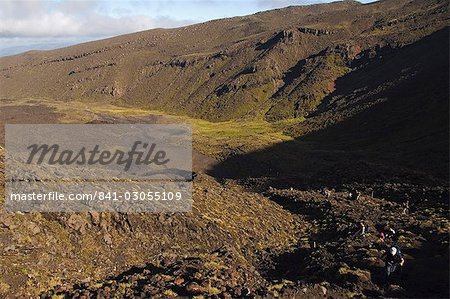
(41, 25)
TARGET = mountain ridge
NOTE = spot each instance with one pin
(228, 68)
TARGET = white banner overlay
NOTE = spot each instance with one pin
(123, 168)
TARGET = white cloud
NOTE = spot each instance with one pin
(71, 18)
(270, 4)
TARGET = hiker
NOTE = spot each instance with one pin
(350, 195)
(354, 195)
(394, 259)
(312, 244)
(390, 233)
(406, 207)
(363, 228)
(327, 193)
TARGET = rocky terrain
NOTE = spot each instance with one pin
(250, 233)
(343, 264)
(292, 110)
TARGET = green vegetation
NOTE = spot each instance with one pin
(314, 82)
(212, 138)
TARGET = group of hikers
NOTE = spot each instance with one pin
(393, 258)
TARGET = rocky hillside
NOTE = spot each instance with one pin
(344, 263)
(292, 110)
(278, 64)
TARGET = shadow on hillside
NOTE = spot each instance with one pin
(397, 131)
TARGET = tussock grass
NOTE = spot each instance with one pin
(211, 138)
(216, 139)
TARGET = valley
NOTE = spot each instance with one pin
(273, 212)
(315, 129)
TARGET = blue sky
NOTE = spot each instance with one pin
(35, 24)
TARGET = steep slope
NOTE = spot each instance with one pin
(276, 64)
(42, 250)
(370, 83)
(393, 107)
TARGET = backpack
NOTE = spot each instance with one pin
(397, 257)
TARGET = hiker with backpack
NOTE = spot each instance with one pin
(405, 208)
(388, 233)
(394, 260)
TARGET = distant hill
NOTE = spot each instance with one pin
(277, 64)
(8, 51)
